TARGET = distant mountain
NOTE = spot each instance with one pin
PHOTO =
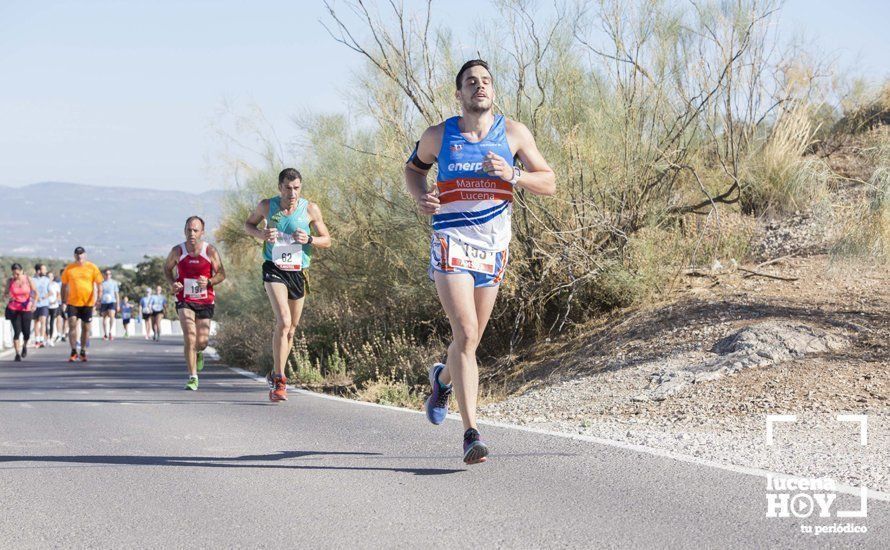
(114, 224)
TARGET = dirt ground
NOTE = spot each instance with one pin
(597, 383)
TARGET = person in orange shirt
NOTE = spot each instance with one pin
(81, 286)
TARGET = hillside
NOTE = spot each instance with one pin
(114, 224)
(697, 372)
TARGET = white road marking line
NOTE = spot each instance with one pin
(840, 487)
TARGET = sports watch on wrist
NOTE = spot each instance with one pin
(516, 173)
(309, 241)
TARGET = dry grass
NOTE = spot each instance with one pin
(865, 225)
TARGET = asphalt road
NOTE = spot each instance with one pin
(114, 453)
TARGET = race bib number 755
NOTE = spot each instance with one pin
(465, 256)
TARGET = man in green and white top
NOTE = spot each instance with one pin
(287, 243)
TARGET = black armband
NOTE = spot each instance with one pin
(413, 159)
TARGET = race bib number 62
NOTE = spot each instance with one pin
(288, 257)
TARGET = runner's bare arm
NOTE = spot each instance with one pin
(219, 271)
(260, 213)
(32, 297)
(97, 287)
(538, 178)
(416, 176)
(169, 264)
(322, 237)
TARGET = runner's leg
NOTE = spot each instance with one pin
(27, 318)
(484, 298)
(85, 328)
(277, 294)
(72, 331)
(202, 327)
(457, 296)
(39, 323)
(17, 321)
(51, 324)
(189, 335)
(296, 312)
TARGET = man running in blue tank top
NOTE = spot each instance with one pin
(287, 250)
(471, 208)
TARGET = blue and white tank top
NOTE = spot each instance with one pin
(475, 208)
(287, 225)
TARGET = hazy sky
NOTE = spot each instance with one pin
(125, 92)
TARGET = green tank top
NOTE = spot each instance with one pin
(299, 219)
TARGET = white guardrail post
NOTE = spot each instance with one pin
(5, 334)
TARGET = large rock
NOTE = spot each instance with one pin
(759, 345)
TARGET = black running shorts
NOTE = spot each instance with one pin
(84, 313)
(202, 311)
(295, 281)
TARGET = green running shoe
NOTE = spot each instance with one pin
(200, 362)
(192, 384)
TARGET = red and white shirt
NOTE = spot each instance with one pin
(189, 269)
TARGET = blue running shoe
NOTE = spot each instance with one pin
(437, 403)
(475, 450)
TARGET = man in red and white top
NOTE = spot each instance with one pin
(193, 268)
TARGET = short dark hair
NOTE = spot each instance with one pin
(193, 218)
(37, 267)
(16, 265)
(468, 65)
(289, 174)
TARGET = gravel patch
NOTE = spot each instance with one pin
(815, 347)
(816, 445)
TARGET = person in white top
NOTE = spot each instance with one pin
(54, 326)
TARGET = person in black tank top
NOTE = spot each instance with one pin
(467, 293)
